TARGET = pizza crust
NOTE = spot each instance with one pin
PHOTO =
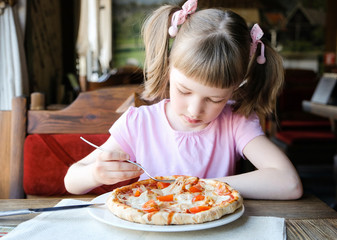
(117, 203)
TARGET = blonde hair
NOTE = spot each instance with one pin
(212, 47)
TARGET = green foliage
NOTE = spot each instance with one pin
(128, 44)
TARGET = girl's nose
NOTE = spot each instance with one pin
(195, 108)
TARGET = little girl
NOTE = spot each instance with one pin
(219, 77)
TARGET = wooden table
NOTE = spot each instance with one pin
(307, 218)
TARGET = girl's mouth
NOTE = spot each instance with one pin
(191, 120)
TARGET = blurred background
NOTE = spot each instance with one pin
(64, 47)
(108, 38)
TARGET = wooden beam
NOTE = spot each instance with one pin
(18, 134)
(5, 130)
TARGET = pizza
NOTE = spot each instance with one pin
(188, 200)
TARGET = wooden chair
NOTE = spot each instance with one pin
(92, 114)
(12, 125)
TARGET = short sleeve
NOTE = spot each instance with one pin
(245, 130)
(124, 131)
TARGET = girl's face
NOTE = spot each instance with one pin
(192, 105)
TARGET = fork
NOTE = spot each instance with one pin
(138, 165)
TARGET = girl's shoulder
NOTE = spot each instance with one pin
(228, 114)
(141, 118)
(146, 111)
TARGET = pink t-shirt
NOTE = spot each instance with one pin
(146, 135)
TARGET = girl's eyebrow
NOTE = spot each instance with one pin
(186, 88)
(180, 85)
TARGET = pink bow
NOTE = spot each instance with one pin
(179, 17)
(256, 34)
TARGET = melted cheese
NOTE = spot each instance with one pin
(182, 198)
(138, 202)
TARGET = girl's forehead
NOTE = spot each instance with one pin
(179, 79)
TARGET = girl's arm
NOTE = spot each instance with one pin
(275, 177)
(99, 168)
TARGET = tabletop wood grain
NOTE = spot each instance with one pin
(306, 218)
(312, 229)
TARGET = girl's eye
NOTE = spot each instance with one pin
(182, 92)
(213, 101)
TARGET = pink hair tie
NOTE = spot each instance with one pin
(179, 17)
(256, 34)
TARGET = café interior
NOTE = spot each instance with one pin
(69, 69)
(63, 88)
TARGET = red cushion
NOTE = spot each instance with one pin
(294, 137)
(48, 157)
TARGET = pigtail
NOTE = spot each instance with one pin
(263, 85)
(156, 64)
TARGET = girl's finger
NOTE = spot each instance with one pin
(115, 155)
(110, 177)
(119, 166)
(121, 175)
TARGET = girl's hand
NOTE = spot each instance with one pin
(110, 168)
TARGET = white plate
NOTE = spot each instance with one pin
(104, 215)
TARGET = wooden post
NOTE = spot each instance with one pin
(5, 136)
(18, 134)
(37, 101)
